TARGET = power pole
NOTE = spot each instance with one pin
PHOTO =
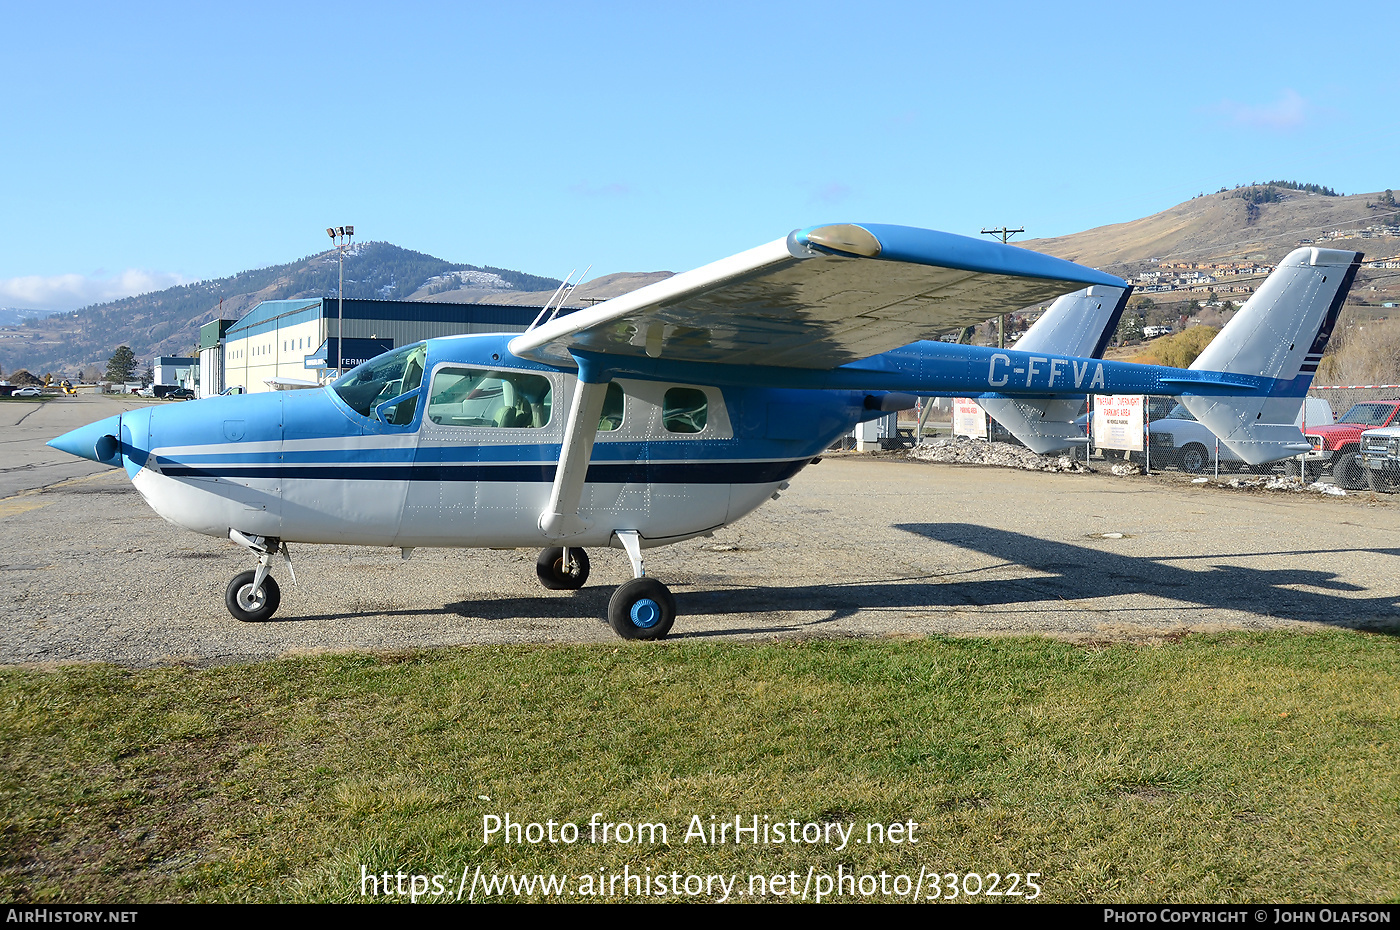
(1005, 235)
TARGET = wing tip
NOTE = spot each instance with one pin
(838, 238)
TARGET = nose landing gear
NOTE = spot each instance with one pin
(254, 596)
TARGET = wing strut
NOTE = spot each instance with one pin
(560, 519)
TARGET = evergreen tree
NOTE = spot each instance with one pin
(122, 365)
(1130, 329)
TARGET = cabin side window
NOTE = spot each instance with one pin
(479, 397)
(611, 417)
(684, 410)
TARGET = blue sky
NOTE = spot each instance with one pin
(148, 144)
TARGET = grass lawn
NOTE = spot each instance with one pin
(1218, 768)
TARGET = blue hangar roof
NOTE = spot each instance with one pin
(273, 314)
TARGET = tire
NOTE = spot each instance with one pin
(1194, 458)
(247, 607)
(1348, 471)
(555, 575)
(642, 608)
(1308, 471)
(1383, 480)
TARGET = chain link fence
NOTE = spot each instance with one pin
(1339, 451)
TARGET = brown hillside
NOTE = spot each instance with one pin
(1218, 227)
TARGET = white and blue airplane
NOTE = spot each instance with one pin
(679, 408)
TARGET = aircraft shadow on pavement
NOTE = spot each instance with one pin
(1078, 573)
(1066, 573)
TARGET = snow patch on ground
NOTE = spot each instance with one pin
(964, 451)
(1281, 483)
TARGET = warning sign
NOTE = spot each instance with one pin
(969, 419)
(1118, 421)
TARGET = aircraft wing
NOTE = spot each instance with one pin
(823, 297)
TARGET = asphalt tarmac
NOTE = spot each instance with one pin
(860, 545)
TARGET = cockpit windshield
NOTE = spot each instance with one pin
(385, 378)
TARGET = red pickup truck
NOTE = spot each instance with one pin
(1337, 445)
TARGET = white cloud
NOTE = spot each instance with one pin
(71, 291)
(1289, 111)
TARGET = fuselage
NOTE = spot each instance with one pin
(456, 442)
(473, 459)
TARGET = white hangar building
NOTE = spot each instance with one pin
(295, 343)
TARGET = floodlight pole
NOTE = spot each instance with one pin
(1004, 234)
(341, 236)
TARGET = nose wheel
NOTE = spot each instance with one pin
(250, 602)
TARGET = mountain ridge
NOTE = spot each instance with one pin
(167, 322)
(1256, 222)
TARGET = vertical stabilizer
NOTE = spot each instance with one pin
(1078, 324)
(1280, 334)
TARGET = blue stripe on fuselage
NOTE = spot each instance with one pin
(625, 473)
(470, 451)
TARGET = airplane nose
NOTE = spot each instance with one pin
(97, 442)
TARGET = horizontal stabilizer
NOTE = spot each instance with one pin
(1280, 334)
(1077, 324)
(1044, 426)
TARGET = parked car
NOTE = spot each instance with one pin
(28, 391)
(179, 393)
(1338, 446)
(1178, 439)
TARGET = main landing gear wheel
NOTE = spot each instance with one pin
(557, 575)
(248, 605)
(642, 608)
